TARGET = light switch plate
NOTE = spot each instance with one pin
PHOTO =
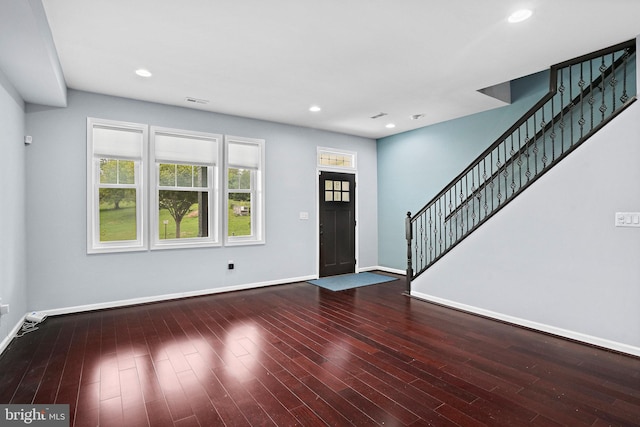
(627, 219)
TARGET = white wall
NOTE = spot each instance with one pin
(13, 281)
(552, 259)
(62, 275)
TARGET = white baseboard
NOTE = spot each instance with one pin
(385, 269)
(144, 300)
(5, 342)
(577, 336)
(167, 297)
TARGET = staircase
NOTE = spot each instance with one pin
(585, 94)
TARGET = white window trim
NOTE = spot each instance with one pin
(146, 185)
(258, 204)
(213, 185)
(94, 245)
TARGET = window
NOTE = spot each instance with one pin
(115, 192)
(336, 191)
(185, 180)
(329, 158)
(180, 204)
(244, 190)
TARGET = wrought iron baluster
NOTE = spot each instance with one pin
(473, 201)
(581, 84)
(484, 186)
(512, 155)
(571, 117)
(459, 210)
(543, 125)
(520, 156)
(491, 179)
(466, 208)
(447, 224)
(497, 175)
(455, 226)
(453, 222)
(505, 170)
(526, 144)
(431, 235)
(552, 135)
(416, 264)
(624, 98)
(421, 237)
(592, 99)
(480, 196)
(535, 147)
(561, 89)
(603, 89)
(613, 82)
(507, 154)
(451, 226)
(440, 218)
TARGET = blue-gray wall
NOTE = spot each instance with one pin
(62, 275)
(13, 280)
(415, 166)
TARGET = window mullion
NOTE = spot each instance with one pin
(175, 175)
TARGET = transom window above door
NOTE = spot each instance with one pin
(329, 158)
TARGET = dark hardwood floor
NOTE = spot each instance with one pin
(301, 355)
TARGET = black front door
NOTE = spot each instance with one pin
(337, 223)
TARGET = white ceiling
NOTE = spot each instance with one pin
(273, 59)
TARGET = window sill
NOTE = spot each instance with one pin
(185, 245)
(115, 249)
(247, 242)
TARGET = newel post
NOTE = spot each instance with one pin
(409, 235)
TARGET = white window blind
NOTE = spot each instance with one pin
(117, 143)
(186, 149)
(243, 155)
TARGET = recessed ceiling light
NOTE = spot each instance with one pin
(390, 125)
(520, 15)
(315, 109)
(143, 73)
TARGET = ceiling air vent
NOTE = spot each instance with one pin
(196, 100)
(377, 116)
